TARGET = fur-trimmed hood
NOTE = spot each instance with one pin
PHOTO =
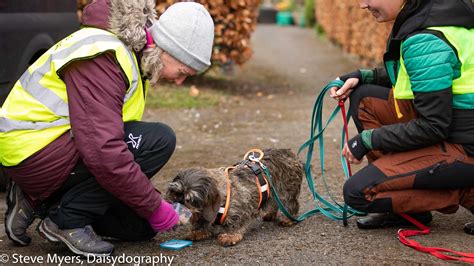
(125, 18)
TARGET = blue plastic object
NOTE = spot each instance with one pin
(175, 244)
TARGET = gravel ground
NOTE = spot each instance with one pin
(268, 104)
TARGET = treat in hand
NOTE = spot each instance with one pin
(183, 212)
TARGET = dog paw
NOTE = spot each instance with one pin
(268, 217)
(199, 235)
(226, 239)
(285, 222)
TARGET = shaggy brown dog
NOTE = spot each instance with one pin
(203, 191)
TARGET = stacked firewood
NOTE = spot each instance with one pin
(234, 20)
(353, 28)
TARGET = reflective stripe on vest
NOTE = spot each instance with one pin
(461, 39)
(36, 112)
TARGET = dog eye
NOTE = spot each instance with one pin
(189, 202)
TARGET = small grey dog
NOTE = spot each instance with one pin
(204, 191)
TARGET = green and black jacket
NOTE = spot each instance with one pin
(432, 63)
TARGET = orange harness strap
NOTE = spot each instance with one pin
(222, 213)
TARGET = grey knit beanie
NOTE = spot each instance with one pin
(186, 32)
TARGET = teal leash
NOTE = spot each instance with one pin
(334, 210)
(337, 211)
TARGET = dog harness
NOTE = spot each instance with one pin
(261, 180)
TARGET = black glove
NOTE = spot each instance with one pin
(356, 74)
(357, 148)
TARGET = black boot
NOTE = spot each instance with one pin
(386, 220)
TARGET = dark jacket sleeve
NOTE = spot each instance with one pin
(430, 127)
(431, 65)
(96, 89)
(381, 77)
(376, 76)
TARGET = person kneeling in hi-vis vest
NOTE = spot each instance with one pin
(415, 118)
(71, 139)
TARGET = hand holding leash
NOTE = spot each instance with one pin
(346, 89)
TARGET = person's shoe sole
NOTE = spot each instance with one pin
(384, 225)
(392, 223)
(44, 235)
(9, 220)
(51, 236)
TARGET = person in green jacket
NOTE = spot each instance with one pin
(415, 117)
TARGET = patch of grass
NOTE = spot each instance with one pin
(319, 31)
(179, 97)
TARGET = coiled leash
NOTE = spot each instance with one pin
(334, 211)
(329, 207)
(435, 251)
(442, 253)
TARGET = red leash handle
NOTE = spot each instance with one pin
(435, 251)
(346, 130)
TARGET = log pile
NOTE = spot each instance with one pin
(234, 20)
(353, 28)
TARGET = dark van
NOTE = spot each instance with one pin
(27, 29)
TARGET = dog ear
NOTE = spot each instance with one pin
(210, 212)
(175, 190)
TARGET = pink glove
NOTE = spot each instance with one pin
(163, 218)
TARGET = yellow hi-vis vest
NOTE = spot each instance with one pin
(462, 40)
(36, 113)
